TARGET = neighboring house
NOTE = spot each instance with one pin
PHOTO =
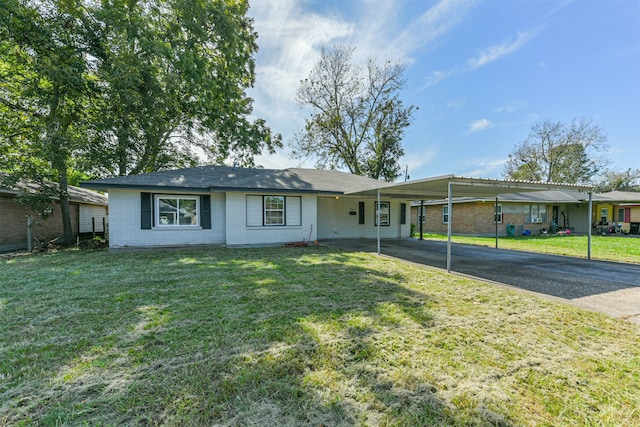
(618, 208)
(88, 214)
(211, 205)
(538, 212)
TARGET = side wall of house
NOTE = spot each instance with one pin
(13, 224)
(91, 215)
(340, 219)
(125, 228)
(477, 218)
(241, 232)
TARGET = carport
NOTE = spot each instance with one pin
(449, 186)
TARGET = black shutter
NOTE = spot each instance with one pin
(403, 213)
(145, 211)
(205, 211)
(360, 212)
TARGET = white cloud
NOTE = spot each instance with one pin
(511, 107)
(291, 33)
(495, 52)
(483, 167)
(455, 103)
(415, 159)
(479, 125)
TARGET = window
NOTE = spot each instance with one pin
(497, 217)
(403, 213)
(604, 216)
(624, 215)
(422, 210)
(273, 210)
(536, 214)
(384, 214)
(176, 210)
(360, 212)
(445, 214)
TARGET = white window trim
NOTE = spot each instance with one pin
(499, 214)
(156, 213)
(265, 210)
(386, 223)
(445, 208)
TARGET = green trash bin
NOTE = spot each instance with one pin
(511, 230)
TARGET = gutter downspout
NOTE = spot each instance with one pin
(449, 209)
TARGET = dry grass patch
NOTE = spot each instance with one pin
(300, 336)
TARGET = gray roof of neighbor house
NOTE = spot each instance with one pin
(225, 178)
(76, 194)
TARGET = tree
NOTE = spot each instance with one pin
(45, 88)
(559, 152)
(628, 180)
(174, 77)
(121, 87)
(357, 121)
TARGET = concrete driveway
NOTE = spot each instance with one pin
(608, 287)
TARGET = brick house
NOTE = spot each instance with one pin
(538, 212)
(88, 213)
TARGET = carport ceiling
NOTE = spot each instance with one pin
(438, 188)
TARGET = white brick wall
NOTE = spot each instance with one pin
(124, 226)
(322, 218)
(337, 223)
(239, 234)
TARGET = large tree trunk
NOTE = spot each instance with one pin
(64, 208)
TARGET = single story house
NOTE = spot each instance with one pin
(538, 212)
(231, 206)
(89, 213)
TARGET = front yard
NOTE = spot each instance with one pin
(608, 248)
(297, 336)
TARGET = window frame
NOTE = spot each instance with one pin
(422, 213)
(282, 210)
(498, 213)
(383, 206)
(529, 211)
(445, 214)
(157, 214)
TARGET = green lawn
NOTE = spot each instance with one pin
(297, 336)
(610, 248)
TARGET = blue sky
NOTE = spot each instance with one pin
(481, 72)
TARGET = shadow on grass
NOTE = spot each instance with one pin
(225, 337)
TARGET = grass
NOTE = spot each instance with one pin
(610, 248)
(297, 336)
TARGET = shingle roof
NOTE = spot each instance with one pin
(225, 178)
(76, 194)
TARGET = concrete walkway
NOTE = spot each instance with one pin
(607, 287)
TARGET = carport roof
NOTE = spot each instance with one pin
(438, 188)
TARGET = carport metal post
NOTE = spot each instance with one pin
(495, 219)
(378, 220)
(449, 220)
(590, 210)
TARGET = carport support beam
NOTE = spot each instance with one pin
(378, 220)
(589, 226)
(495, 219)
(449, 220)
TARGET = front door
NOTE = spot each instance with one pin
(554, 219)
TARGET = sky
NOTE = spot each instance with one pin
(480, 72)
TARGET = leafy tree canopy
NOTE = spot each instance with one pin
(559, 152)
